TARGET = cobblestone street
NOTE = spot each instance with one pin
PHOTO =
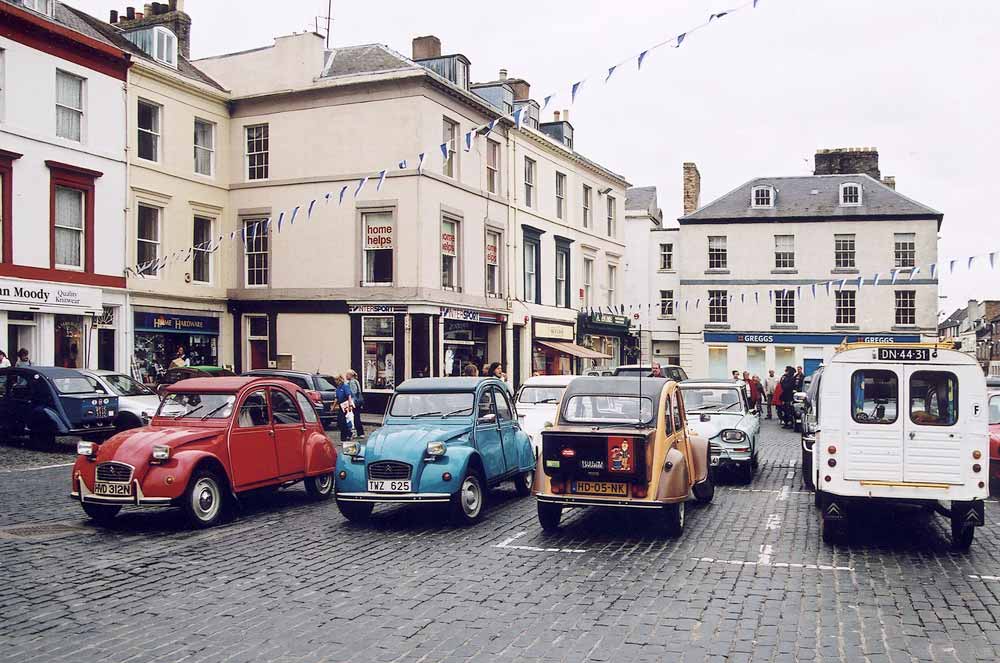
(291, 580)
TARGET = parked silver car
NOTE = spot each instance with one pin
(136, 403)
(719, 410)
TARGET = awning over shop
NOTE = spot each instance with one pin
(574, 349)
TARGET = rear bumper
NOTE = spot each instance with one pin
(394, 498)
(572, 500)
(93, 430)
(82, 494)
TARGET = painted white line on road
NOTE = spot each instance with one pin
(783, 495)
(34, 469)
(766, 490)
(783, 565)
(976, 577)
(764, 558)
(773, 522)
(790, 475)
(506, 544)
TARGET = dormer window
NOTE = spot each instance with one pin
(762, 196)
(157, 42)
(40, 6)
(850, 194)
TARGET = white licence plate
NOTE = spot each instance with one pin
(714, 460)
(113, 489)
(388, 486)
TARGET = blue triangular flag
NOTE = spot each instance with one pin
(281, 218)
(842, 284)
(402, 164)
(916, 270)
(680, 39)
(309, 212)
(361, 185)
(545, 102)
(756, 297)
(381, 178)
(828, 288)
(742, 297)
(714, 16)
(468, 141)
(814, 290)
(517, 116)
(642, 56)
(294, 212)
(576, 88)
(326, 196)
(420, 164)
(611, 70)
(993, 260)
(861, 282)
(444, 150)
(951, 265)
(895, 275)
(875, 280)
(755, 3)
(971, 258)
(343, 190)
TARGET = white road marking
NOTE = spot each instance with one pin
(790, 475)
(33, 469)
(976, 577)
(506, 543)
(784, 565)
(773, 522)
(783, 495)
(785, 490)
(764, 558)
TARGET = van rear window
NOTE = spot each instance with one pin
(995, 410)
(874, 397)
(934, 398)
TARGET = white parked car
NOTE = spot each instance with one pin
(136, 403)
(537, 402)
(719, 411)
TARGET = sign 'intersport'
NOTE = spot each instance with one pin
(42, 296)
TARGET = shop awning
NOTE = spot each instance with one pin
(574, 349)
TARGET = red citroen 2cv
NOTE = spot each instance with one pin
(211, 439)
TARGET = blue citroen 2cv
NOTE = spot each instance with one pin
(444, 440)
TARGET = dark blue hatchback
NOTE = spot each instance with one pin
(41, 402)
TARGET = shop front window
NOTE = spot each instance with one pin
(155, 352)
(464, 343)
(378, 339)
(69, 341)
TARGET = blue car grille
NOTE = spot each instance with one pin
(114, 472)
(389, 469)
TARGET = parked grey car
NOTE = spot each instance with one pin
(136, 403)
(719, 410)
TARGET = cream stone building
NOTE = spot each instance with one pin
(484, 255)
(753, 257)
(177, 207)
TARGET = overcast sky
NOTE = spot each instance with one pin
(754, 94)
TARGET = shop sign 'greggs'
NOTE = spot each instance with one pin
(47, 295)
(378, 236)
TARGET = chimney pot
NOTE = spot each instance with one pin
(890, 181)
(565, 115)
(692, 187)
(130, 13)
(147, 9)
(503, 74)
(426, 47)
(555, 116)
(138, 16)
(114, 16)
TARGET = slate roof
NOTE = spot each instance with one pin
(955, 319)
(641, 198)
(109, 34)
(365, 59)
(812, 196)
(65, 16)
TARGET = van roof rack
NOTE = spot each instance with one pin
(938, 345)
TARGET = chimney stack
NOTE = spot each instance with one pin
(130, 13)
(426, 47)
(503, 74)
(890, 181)
(692, 187)
(522, 91)
(169, 15)
(555, 116)
(848, 161)
(114, 17)
(565, 115)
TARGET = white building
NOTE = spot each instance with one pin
(62, 188)
(753, 258)
(652, 280)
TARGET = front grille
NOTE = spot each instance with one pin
(114, 472)
(389, 469)
(714, 448)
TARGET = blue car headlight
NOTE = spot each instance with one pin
(352, 448)
(436, 449)
(733, 435)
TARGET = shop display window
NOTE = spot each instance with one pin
(69, 341)
(378, 340)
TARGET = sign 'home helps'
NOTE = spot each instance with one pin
(378, 236)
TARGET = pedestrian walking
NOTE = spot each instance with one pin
(800, 378)
(345, 409)
(496, 371)
(756, 392)
(770, 383)
(22, 358)
(787, 394)
(4, 362)
(359, 401)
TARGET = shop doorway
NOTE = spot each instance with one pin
(756, 362)
(420, 354)
(20, 334)
(257, 337)
(69, 350)
(783, 356)
(106, 349)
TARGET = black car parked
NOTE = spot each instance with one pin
(324, 396)
(42, 402)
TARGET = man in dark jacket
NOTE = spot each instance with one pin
(787, 394)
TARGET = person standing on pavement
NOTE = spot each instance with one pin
(800, 379)
(345, 408)
(770, 383)
(359, 401)
(736, 375)
(787, 393)
(755, 392)
(4, 362)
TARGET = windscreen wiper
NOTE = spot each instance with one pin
(425, 414)
(188, 412)
(213, 411)
(454, 412)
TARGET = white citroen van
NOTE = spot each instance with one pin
(905, 422)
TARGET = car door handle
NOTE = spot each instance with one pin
(912, 435)
(270, 431)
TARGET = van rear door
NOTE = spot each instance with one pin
(933, 441)
(873, 427)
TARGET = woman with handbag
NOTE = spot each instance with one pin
(358, 397)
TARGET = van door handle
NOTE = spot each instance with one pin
(912, 435)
